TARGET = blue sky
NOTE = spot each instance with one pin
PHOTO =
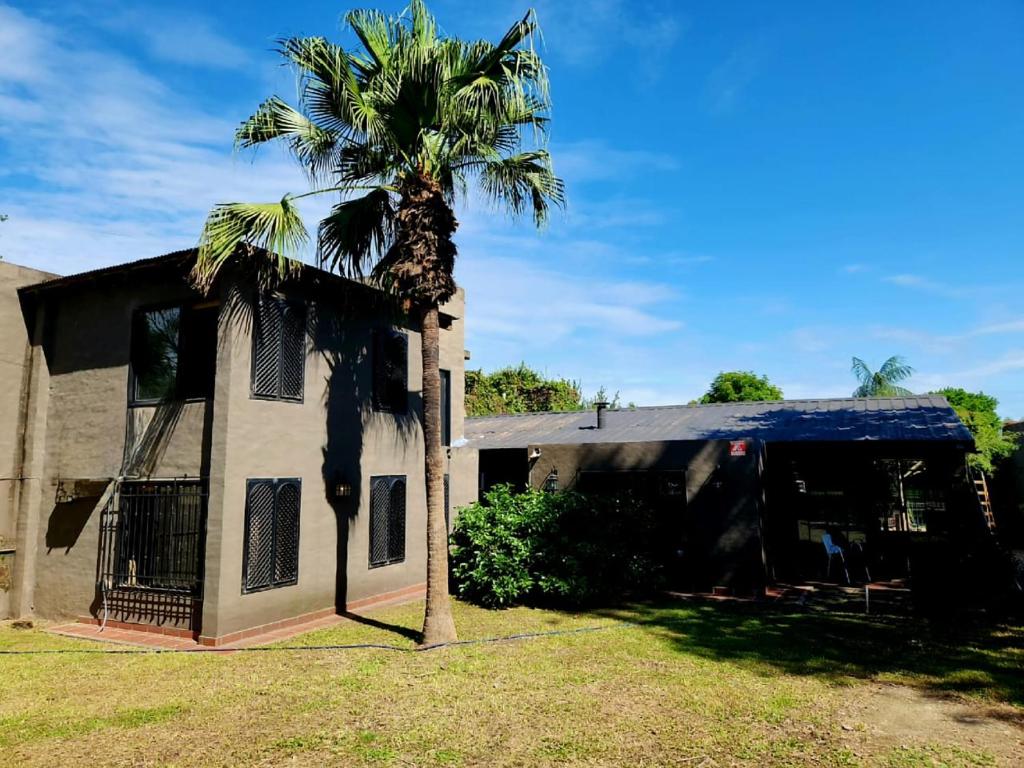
(766, 186)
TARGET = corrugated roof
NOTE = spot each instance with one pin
(927, 417)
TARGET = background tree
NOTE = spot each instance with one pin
(739, 387)
(518, 389)
(978, 412)
(885, 381)
(396, 129)
(521, 389)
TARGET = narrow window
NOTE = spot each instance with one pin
(447, 503)
(173, 354)
(271, 551)
(390, 370)
(446, 407)
(279, 349)
(387, 520)
(198, 360)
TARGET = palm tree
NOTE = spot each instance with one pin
(885, 381)
(397, 128)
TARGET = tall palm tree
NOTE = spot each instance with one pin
(885, 381)
(397, 128)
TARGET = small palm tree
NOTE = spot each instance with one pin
(885, 381)
(397, 129)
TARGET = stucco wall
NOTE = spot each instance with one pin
(333, 435)
(89, 432)
(86, 340)
(15, 373)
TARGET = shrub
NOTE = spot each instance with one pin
(553, 548)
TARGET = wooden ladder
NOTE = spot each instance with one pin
(984, 501)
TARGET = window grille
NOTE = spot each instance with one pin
(152, 536)
(447, 503)
(279, 349)
(271, 556)
(390, 371)
(387, 520)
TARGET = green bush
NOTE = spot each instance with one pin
(563, 548)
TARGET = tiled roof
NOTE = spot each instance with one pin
(927, 417)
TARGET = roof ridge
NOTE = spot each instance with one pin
(740, 403)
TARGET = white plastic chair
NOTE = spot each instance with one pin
(833, 550)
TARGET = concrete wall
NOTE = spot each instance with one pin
(333, 435)
(92, 434)
(84, 432)
(16, 366)
(720, 512)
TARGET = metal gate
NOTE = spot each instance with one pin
(153, 537)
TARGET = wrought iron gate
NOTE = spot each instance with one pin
(153, 537)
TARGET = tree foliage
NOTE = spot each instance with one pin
(978, 412)
(565, 548)
(885, 382)
(396, 129)
(739, 387)
(519, 389)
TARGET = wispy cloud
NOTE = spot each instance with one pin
(925, 284)
(112, 163)
(728, 82)
(590, 160)
(584, 34)
(180, 37)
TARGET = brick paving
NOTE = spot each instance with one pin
(155, 641)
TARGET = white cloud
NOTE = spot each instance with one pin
(584, 161)
(515, 300)
(121, 166)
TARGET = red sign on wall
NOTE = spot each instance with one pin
(737, 447)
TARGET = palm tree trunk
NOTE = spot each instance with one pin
(438, 623)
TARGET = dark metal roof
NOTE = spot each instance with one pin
(167, 259)
(184, 260)
(927, 417)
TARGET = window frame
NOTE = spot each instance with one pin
(285, 302)
(392, 481)
(378, 402)
(276, 484)
(183, 307)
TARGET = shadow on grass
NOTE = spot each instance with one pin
(407, 632)
(979, 660)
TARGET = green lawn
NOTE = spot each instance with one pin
(681, 684)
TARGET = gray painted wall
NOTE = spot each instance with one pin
(16, 366)
(80, 427)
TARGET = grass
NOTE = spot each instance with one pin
(682, 684)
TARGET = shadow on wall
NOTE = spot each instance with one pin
(148, 431)
(343, 338)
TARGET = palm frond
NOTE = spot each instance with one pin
(373, 29)
(524, 182)
(275, 228)
(861, 370)
(356, 233)
(313, 146)
(896, 369)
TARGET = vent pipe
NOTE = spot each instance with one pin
(602, 407)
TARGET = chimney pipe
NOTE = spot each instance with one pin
(601, 408)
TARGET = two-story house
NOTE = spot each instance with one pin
(206, 465)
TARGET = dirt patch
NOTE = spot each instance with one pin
(908, 719)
